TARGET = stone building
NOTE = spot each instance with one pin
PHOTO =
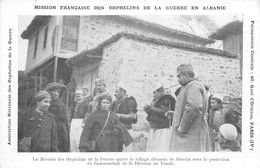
(54, 39)
(232, 36)
(139, 61)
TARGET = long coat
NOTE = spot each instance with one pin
(41, 127)
(57, 108)
(189, 118)
(110, 140)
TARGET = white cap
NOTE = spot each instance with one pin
(122, 85)
(228, 131)
(217, 96)
(156, 86)
(79, 91)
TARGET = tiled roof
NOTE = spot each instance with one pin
(41, 20)
(98, 51)
(228, 29)
(35, 24)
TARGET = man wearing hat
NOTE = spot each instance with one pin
(58, 109)
(77, 123)
(190, 130)
(126, 108)
(158, 136)
(100, 90)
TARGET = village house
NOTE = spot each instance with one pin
(124, 49)
(54, 39)
(232, 36)
(139, 61)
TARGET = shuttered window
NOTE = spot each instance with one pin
(35, 47)
(45, 37)
(70, 33)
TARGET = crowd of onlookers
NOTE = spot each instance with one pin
(191, 120)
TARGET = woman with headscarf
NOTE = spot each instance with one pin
(105, 128)
(100, 90)
(39, 127)
(58, 109)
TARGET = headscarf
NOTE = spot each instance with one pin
(54, 85)
(39, 96)
(107, 97)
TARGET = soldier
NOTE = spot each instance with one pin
(158, 136)
(57, 108)
(100, 91)
(126, 108)
(190, 130)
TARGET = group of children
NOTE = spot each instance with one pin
(224, 126)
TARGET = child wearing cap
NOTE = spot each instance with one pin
(216, 117)
(227, 136)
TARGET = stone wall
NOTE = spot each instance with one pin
(139, 64)
(96, 29)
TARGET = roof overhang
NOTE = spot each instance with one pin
(95, 55)
(86, 57)
(35, 24)
(230, 28)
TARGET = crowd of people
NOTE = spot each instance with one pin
(191, 120)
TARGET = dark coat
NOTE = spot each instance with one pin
(42, 130)
(109, 141)
(57, 108)
(125, 106)
(82, 109)
(155, 114)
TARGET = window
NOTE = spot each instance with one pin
(35, 47)
(70, 33)
(45, 37)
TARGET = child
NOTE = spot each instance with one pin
(227, 136)
(216, 117)
(234, 117)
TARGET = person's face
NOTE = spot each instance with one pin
(214, 104)
(100, 87)
(157, 94)
(55, 94)
(79, 97)
(182, 78)
(119, 93)
(44, 104)
(105, 104)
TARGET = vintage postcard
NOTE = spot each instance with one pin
(129, 83)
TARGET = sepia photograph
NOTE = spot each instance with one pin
(130, 83)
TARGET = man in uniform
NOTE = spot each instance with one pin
(190, 130)
(101, 90)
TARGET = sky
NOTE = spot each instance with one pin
(170, 21)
